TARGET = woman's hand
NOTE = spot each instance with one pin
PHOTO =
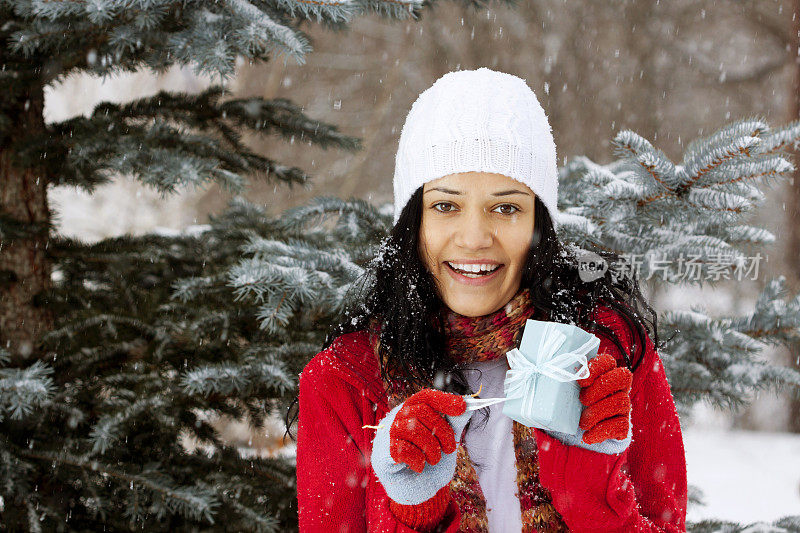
(420, 430)
(419, 433)
(606, 395)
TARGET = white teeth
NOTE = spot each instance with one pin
(474, 267)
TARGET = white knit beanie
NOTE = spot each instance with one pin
(477, 120)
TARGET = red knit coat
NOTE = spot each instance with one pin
(642, 489)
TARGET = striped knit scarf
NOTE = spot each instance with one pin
(486, 338)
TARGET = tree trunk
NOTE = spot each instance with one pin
(24, 269)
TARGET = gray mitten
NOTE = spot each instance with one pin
(402, 484)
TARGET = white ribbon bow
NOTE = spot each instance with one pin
(521, 379)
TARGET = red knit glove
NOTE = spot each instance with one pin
(606, 395)
(420, 433)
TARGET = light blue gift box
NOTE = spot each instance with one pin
(541, 387)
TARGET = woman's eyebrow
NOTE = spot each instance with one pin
(501, 193)
(506, 193)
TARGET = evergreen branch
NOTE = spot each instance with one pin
(645, 155)
(188, 289)
(116, 140)
(260, 29)
(191, 502)
(204, 111)
(741, 234)
(714, 358)
(264, 524)
(23, 390)
(695, 168)
(285, 118)
(717, 200)
(242, 380)
(782, 138)
(400, 9)
(333, 10)
(107, 430)
(183, 33)
(627, 206)
(103, 319)
(316, 210)
(746, 127)
(758, 166)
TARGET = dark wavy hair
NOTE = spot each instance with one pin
(401, 293)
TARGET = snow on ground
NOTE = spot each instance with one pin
(745, 476)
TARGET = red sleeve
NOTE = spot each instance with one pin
(330, 467)
(642, 489)
(333, 469)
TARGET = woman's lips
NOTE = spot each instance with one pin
(483, 280)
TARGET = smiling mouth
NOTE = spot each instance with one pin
(471, 274)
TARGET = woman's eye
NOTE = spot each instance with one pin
(515, 209)
(442, 203)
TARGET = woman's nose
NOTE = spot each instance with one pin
(473, 231)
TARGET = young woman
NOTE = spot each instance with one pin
(385, 442)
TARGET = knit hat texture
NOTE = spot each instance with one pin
(477, 120)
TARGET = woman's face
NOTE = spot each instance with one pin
(479, 220)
